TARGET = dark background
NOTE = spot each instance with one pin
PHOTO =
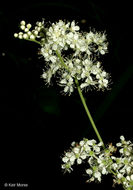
(37, 123)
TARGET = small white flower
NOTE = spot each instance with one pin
(29, 33)
(73, 143)
(25, 36)
(54, 47)
(101, 51)
(104, 171)
(128, 178)
(76, 150)
(22, 27)
(128, 169)
(91, 142)
(22, 22)
(35, 32)
(79, 161)
(15, 35)
(29, 26)
(82, 143)
(118, 144)
(44, 75)
(26, 30)
(20, 36)
(83, 85)
(73, 27)
(119, 175)
(89, 171)
(91, 179)
(122, 138)
(97, 175)
(83, 156)
(65, 159)
(72, 159)
(86, 147)
(66, 89)
(53, 59)
(32, 37)
(114, 166)
(96, 148)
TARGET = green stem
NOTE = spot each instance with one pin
(37, 42)
(61, 60)
(88, 112)
(82, 99)
(113, 172)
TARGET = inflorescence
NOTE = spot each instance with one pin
(79, 51)
(102, 161)
(73, 57)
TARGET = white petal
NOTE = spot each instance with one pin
(76, 150)
(44, 75)
(102, 52)
(72, 46)
(118, 144)
(82, 143)
(97, 175)
(69, 154)
(128, 178)
(132, 177)
(89, 171)
(79, 161)
(72, 159)
(83, 156)
(103, 171)
(122, 138)
(76, 28)
(66, 89)
(73, 143)
(65, 159)
(54, 47)
(119, 176)
(83, 85)
(63, 81)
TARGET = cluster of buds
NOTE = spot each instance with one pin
(69, 53)
(27, 33)
(101, 161)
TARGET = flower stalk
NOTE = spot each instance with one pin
(61, 60)
(82, 100)
(88, 112)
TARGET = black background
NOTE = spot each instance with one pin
(37, 123)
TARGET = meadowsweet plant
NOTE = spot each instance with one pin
(102, 161)
(73, 58)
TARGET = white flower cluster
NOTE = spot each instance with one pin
(70, 54)
(79, 51)
(101, 160)
(86, 149)
(123, 165)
